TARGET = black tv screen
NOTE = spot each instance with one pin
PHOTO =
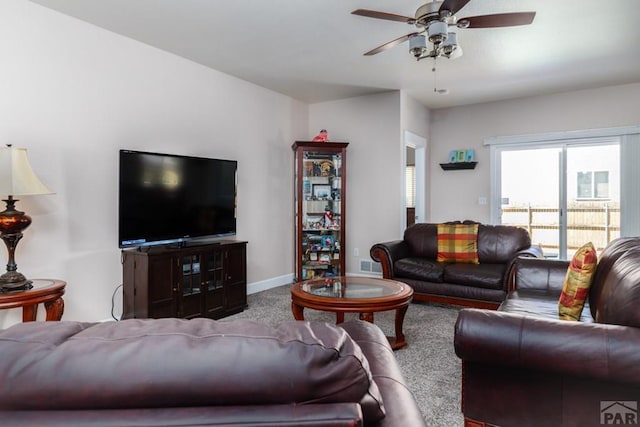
(167, 198)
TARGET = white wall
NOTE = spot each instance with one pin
(454, 194)
(74, 94)
(414, 116)
(372, 126)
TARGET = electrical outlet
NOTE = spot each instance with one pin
(356, 252)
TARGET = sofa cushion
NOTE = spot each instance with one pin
(538, 303)
(488, 276)
(458, 243)
(419, 269)
(422, 239)
(604, 276)
(577, 282)
(620, 296)
(154, 363)
(498, 243)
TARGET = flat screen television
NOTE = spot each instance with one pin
(173, 199)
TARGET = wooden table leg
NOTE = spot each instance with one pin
(367, 317)
(339, 317)
(297, 310)
(29, 313)
(54, 309)
(399, 341)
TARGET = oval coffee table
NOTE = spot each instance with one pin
(364, 295)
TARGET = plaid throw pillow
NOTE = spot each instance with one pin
(577, 282)
(458, 243)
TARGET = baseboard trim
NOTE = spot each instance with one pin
(267, 284)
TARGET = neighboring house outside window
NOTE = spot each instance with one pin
(593, 185)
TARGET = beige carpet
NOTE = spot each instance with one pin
(429, 364)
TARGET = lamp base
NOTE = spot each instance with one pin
(15, 286)
(12, 222)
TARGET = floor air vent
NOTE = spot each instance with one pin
(369, 266)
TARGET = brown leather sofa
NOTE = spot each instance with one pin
(175, 372)
(412, 260)
(522, 366)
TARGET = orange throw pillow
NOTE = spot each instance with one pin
(458, 243)
(577, 282)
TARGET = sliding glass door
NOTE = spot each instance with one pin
(530, 193)
(564, 194)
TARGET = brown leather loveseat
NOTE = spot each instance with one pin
(175, 372)
(522, 366)
(412, 260)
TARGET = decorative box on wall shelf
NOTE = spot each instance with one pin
(458, 166)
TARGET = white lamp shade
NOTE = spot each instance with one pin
(16, 176)
(437, 31)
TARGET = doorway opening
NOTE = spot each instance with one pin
(414, 162)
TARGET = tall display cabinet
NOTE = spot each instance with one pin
(320, 200)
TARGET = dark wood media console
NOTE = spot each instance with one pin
(195, 281)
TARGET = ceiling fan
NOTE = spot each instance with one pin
(438, 20)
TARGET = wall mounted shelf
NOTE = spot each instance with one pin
(458, 166)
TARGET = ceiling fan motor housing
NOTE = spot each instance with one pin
(427, 13)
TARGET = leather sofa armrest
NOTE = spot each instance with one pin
(387, 253)
(538, 273)
(533, 251)
(588, 350)
(399, 401)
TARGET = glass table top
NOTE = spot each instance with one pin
(34, 285)
(352, 287)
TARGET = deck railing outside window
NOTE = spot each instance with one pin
(597, 222)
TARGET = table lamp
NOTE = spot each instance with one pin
(16, 179)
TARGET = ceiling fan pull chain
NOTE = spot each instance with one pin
(435, 76)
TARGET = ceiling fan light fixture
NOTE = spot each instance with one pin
(437, 31)
(450, 44)
(417, 45)
(457, 53)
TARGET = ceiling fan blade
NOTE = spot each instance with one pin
(390, 44)
(498, 20)
(453, 6)
(383, 15)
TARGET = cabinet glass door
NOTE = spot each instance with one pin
(213, 283)
(320, 210)
(191, 301)
(213, 270)
(190, 275)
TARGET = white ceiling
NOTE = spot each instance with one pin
(313, 50)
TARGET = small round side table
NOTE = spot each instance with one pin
(47, 291)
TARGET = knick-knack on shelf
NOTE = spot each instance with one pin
(323, 136)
